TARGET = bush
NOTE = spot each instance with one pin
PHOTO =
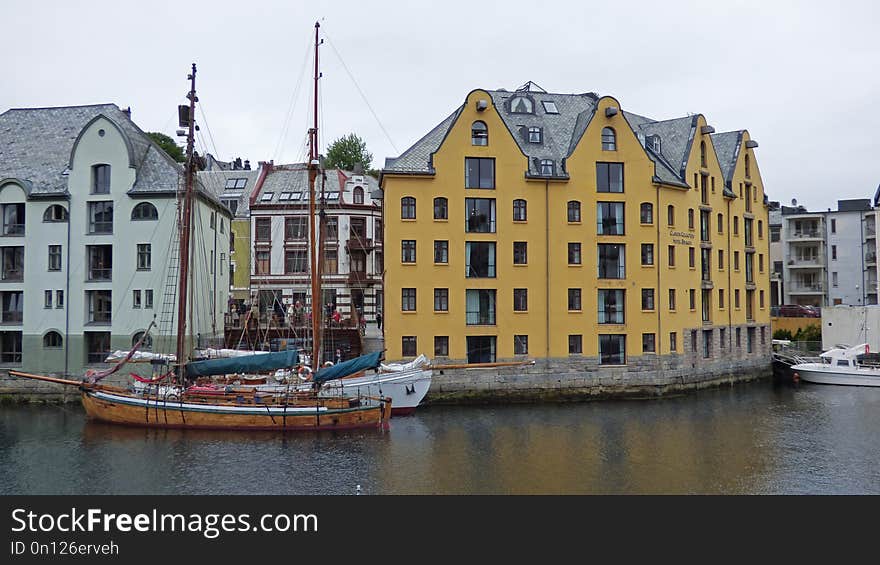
(782, 334)
(811, 333)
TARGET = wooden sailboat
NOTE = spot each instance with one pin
(175, 405)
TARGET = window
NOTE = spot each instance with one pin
(692, 258)
(267, 196)
(834, 253)
(147, 344)
(612, 264)
(262, 263)
(408, 299)
(775, 233)
(834, 279)
(441, 251)
(144, 257)
(609, 218)
(736, 299)
(520, 300)
(706, 303)
(611, 306)
(612, 349)
(760, 229)
(704, 226)
(408, 208)
(148, 298)
(144, 211)
(520, 252)
(296, 228)
(692, 296)
(574, 253)
(535, 135)
(673, 341)
(263, 229)
(12, 263)
(549, 107)
(408, 346)
(720, 259)
(761, 299)
(10, 347)
(672, 299)
(357, 229)
(479, 133)
(59, 302)
(760, 262)
(441, 300)
(609, 177)
(54, 257)
(690, 218)
(747, 232)
(609, 140)
(481, 349)
(480, 307)
(739, 337)
(574, 211)
(135, 298)
(703, 154)
(55, 213)
(694, 341)
(297, 261)
(521, 105)
(520, 345)
(358, 195)
(232, 204)
(720, 223)
(547, 167)
(479, 172)
(722, 337)
(377, 231)
(441, 346)
(519, 210)
(646, 213)
(574, 300)
(748, 167)
(331, 229)
(707, 344)
(648, 345)
(736, 260)
(222, 225)
(213, 220)
(100, 306)
(736, 225)
(647, 254)
(12, 307)
(671, 254)
(331, 263)
(101, 179)
(833, 225)
(100, 217)
(408, 251)
(480, 215)
(52, 340)
(100, 262)
(479, 259)
(750, 267)
(441, 208)
(670, 215)
(647, 299)
(706, 264)
(13, 219)
(47, 299)
(575, 344)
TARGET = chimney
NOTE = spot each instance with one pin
(127, 112)
(247, 165)
(358, 169)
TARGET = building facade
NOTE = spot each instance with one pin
(353, 258)
(89, 237)
(561, 227)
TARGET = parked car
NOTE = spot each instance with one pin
(799, 311)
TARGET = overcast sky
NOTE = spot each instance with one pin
(802, 77)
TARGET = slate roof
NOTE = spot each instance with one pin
(561, 133)
(215, 182)
(35, 146)
(294, 178)
(727, 146)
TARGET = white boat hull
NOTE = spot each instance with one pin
(829, 375)
(406, 390)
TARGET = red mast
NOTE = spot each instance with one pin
(185, 229)
(317, 307)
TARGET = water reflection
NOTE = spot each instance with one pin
(747, 439)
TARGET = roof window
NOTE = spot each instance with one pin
(267, 196)
(549, 107)
(522, 105)
(236, 184)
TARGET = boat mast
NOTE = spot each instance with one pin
(314, 163)
(185, 228)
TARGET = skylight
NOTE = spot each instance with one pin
(332, 196)
(267, 196)
(236, 184)
(284, 196)
(549, 107)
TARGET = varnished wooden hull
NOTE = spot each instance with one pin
(117, 408)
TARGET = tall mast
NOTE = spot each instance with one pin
(185, 228)
(317, 306)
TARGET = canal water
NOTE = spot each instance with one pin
(752, 438)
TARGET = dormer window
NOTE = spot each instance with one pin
(653, 142)
(609, 140)
(550, 107)
(535, 135)
(358, 195)
(547, 167)
(479, 134)
(521, 105)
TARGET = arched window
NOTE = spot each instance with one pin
(609, 140)
(441, 209)
(748, 172)
(519, 210)
(574, 211)
(646, 213)
(358, 195)
(408, 208)
(479, 133)
(148, 341)
(690, 218)
(52, 339)
(55, 213)
(703, 154)
(670, 215)
(144, 211)
(521, 105)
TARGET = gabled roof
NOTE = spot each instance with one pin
(294, 179)
(727, 145)
(215, 181)
(418, 158)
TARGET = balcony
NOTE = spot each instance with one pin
(360, 277)
(359, 244)
(806, 263)
(805, 235)
(871, 259)
(806, 288)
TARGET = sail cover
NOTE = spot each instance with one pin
(368, 361)
(258, 363)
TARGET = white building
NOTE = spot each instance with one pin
(89, 240)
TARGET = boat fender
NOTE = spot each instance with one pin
(796, 377)
(304, 373)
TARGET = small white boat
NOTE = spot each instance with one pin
(839, 366)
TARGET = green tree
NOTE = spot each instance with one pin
(348, 151)
(168, 145)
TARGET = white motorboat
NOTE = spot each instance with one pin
(839, 366)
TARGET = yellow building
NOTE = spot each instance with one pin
(560, 227)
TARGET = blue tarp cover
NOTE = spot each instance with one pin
(368, 361)
(245, 364)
